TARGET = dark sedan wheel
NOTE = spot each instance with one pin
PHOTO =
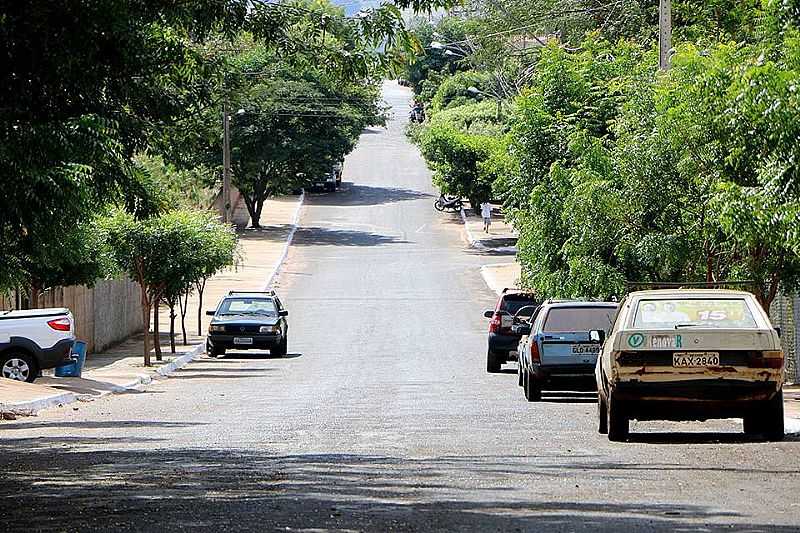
(768, 420)
(213, 352)
(18, 366)
(493, 364)
(533, 389)
(602, 415)
(280, 349)
(618, 422)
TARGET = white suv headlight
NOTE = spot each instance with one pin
(219, 328)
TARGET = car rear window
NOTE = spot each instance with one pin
(513, 303)
(564, 319)
(726, 313)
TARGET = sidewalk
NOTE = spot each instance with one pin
(501, 239)
(121, 367)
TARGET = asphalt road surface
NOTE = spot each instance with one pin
(382, 417)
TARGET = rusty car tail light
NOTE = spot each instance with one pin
(766, 359)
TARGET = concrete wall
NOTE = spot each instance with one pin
(108, 313)
(239, 213)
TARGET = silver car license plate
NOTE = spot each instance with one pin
(695, 359)
(585, 349)
(242, 340)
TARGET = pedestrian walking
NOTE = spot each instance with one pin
(486, 213)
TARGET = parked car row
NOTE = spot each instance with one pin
(682, 354)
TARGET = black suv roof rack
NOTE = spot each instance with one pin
(269, 292)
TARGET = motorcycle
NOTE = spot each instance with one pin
(417, 114)
(443, 203)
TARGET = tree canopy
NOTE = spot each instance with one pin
(613, 172)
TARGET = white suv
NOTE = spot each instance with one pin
(691, 354)
(34, 340)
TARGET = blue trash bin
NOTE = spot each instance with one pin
(74, 369)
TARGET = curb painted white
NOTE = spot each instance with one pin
(791, 426)
(180, 362)
(470, 237)
(34, 406)
(31, 407)
(288, 243)
(486, 279)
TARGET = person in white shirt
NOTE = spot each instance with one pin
(486, 213)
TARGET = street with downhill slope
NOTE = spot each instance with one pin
(382, 417)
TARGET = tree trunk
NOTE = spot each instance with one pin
(146, 321)
(156, 333)
(254, 217)
(201, 286)
(172, 316)
(184, 303)
(34, 298)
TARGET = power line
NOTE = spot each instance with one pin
(535, 24)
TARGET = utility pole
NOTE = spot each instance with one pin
(664, 33)
(226, 164)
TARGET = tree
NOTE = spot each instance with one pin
(87, 86)
(159, 254)
(457, 160)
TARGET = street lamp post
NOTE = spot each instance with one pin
(226, 164)
(664, 33)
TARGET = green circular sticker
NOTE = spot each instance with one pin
(635, 340)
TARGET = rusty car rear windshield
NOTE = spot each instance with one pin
(677, 313)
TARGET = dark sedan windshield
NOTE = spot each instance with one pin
(248, 306)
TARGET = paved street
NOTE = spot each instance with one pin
(382, 417)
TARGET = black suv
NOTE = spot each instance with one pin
(247, 321)
(503, 342)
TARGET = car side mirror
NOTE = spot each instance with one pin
(597, 336)
(283, 312)
(778, 331)
(488, 314)
(211, 313)
(522, 329)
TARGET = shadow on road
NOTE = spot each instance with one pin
(698, 438)
(569, 397)
(93, 424)
(209, 490)
(364, 195)
(316, 236)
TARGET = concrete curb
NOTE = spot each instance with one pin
(475, 243)
(488, 280)
(32, 407)
(180, 362)
(791, 426)
(295, 224)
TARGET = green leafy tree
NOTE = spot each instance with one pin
(160, 253)
(86, 86)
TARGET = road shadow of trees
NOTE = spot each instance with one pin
(353, 195)
(318, 236)
(219, 489)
